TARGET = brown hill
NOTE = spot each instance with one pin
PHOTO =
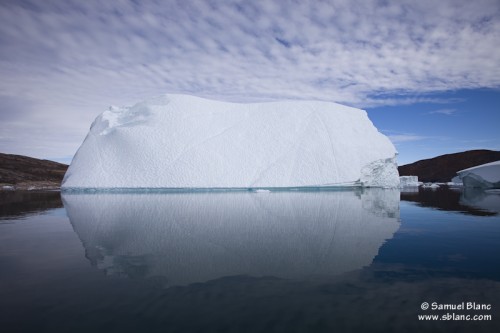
(443, 168)
(24, 172)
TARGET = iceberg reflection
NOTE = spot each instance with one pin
(471, 201)
(196, 237)
(486, 200)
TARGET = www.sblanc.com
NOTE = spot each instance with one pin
(454, 316)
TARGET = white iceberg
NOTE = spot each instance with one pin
(481, 176)
(180, 141)
(455, 182)
(408, 181)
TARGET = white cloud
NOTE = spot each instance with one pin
(73, 58)
(447, 112)
(398, 138)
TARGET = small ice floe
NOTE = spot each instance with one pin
(8, 188)
(431, 186)
(260, 190)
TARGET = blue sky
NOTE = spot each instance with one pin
(465, 120)
(427, 72)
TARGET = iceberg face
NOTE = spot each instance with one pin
(380, 173)
(481, 176)
(180, 141)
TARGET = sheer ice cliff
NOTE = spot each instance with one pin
(181, 141)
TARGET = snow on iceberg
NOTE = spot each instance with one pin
(181, 141)
(482, 176)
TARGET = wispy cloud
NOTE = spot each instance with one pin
(398, 138)
(447, 112)
(68, 60)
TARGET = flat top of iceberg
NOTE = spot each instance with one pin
(181, 141)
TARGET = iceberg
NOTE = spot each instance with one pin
(481, 176)
(455, 181)
(408, 181)
(187, 142)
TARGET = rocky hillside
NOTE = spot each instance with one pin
(22, 172)
(443, 168)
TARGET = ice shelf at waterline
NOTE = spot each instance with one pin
(181, 141)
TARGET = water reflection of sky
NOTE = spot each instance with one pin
(444, 243)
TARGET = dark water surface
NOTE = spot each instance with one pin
(334, 261)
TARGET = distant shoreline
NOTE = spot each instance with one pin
(31, 186)
(22, 173)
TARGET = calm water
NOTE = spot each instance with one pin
(334, 261)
